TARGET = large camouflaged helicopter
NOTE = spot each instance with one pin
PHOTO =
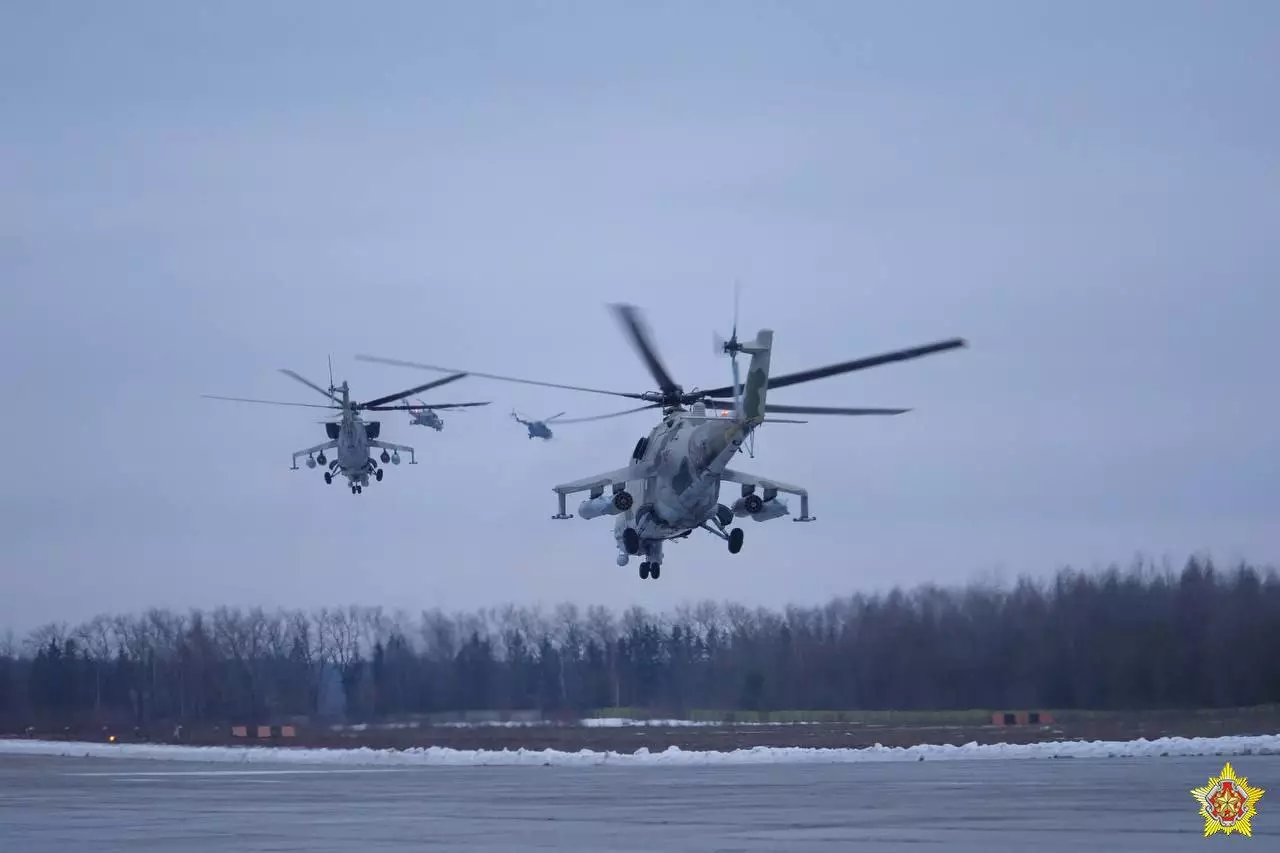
(670, 485)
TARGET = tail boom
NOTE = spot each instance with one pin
(757, 385)
(752, 412)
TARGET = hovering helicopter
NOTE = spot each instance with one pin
(540, 429)
(676, 470)
(427, 416)
(350, 435)
(537, 429)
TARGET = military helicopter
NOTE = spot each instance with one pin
(424, 415)
(676, 470)
(540, 429)
(350, 435)
(537, 429)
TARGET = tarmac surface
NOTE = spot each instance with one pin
(64, 805)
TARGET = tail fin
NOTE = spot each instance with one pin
(757, 385)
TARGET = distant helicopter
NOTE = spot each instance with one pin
(539, 429)
(350, 436)
(424, 415)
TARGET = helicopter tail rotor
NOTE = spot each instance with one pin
(719, 344)
(731, 348)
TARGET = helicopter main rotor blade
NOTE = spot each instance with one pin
(630, 318)
(419, 365)
(391, 398)
(269, 402)
(292, 375)
(850, 366)
(610, 415)
(771, 408)
(828, 410)
(552, 418)
(408, 407)
(459, 405)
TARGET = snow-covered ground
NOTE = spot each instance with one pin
(1230, 746)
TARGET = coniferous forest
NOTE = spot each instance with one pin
(1141, 638)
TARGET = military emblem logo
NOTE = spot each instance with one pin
(1228, 803)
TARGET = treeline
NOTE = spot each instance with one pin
(1141, 638)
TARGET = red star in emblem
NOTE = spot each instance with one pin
(1226, 804)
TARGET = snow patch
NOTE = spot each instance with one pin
(588, 722)
(442, 756)
(621, 722)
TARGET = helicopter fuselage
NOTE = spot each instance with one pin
(353, 451)
(537, 429)
(351, 440)
(683, 492)
(427, 419)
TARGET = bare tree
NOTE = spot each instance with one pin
(98, 637)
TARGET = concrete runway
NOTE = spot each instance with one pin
(64, 805)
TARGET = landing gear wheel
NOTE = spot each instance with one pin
(328, 478)
(631, 540)
(377, 475)
(655, 569)
(644, 571)
(735, 540)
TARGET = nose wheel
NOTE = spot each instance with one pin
(650, 570)
(328, 478)
(377, 475)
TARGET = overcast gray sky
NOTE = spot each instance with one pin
(194, 195)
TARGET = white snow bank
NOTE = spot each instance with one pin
(1229, 746)
(588, 722)
(620, 722)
